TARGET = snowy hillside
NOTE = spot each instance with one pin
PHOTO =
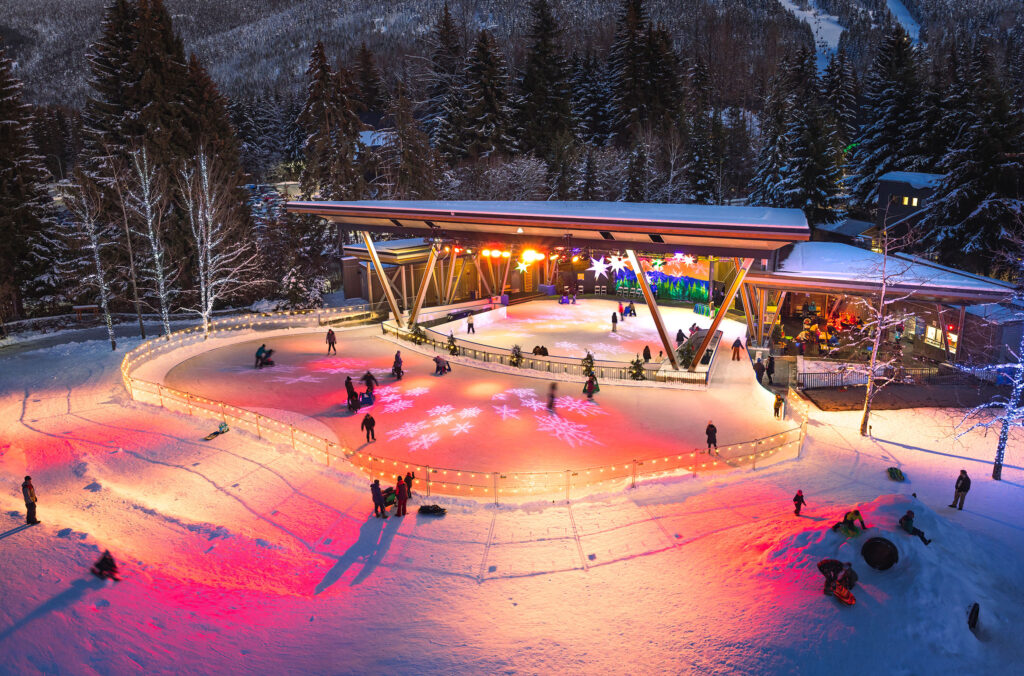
(242, 557)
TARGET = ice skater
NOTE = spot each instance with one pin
(469, 325)
(737, 345)
(963, 484)
(620, 308)
(380, 510)
(680, 337)
(332, 340)
(907, 524)
(552, 393)
(368, 424)
(28, 491)
(263, 357)
(712, 434)
(396, 367)
(615, 322)
(798, 502)
(401, 496)
(590, 388)
(370, 381)
(350, 391)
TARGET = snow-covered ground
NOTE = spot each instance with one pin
(242, 557)
(903, 16)
(825, 27)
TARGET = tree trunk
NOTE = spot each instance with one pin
(869, 391)
(1012, 404)
(135, 286)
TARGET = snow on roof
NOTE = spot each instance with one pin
(849, 227)
(1000, 313)
(611, 211)
(843, 262)
(914, 179)
(393, 244)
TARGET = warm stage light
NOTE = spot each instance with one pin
(485, 253)
(553, 256)
(575, 258)
(506, 254)
(529, 255)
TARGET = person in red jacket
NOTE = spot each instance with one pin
(401, 496)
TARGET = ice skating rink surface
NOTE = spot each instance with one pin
(479, 420)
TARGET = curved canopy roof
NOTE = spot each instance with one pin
(697, 229)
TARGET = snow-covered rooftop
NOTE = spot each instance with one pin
(849, 227)
(914, 179)
(839, 262)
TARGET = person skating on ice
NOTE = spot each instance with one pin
(332, 340)
(368, 424)
(712, 434)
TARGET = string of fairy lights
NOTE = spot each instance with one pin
(440, 480)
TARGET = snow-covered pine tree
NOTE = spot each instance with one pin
(663, 80)
(411, 168)
(443, 80)
(488, 117)
(84, 200)
(588, 186)
(891, 107)
(591, 100)
(627, 64)
(839, 95)
(983, 188)
(545, 113)
(638, 175)
(701, 166)
(317, 119)
(225, 257)
(765, 188)
(24, 203)
(371, 92)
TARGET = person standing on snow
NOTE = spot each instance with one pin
(368, 424)
(759, 371)
(647, 353)
(409, 478)
(331, 342)
(798, 502)
(401, 496)
(380, 510)
(28, 491)
(712, 433)
(737, 345)
(963, 484)
(769, 369)
(615, 322)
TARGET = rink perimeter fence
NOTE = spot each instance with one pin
(430, 480)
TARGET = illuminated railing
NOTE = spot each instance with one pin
(432, 480)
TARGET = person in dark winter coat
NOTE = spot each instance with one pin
(332, 340)
(647, 353)
(380, 510)
(409, 478)
(401, 496)
(777, 407)
(837, 573)
(262, 354)
(28, 491)
(798, 502)
(370, 381)
(737, 345)
(615, 322)
(350, 390)
(907, 524)
(105, 568)
(680, 337)
(963, 484)
(759, 371)
(552, 394)
(712, 433)
(769, 369)
(396, 367)
(368, 424)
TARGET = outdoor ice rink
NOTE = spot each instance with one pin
(480, 420)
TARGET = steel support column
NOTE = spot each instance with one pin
(730, 296)
(778, 316)
(385, 284)
(480, 276)
(748, 308)
(959, 333)
(455, 285)
(645, 287)
(762, 303)
(421, 293)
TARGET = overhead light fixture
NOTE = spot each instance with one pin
(519, 231)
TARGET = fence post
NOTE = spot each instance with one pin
(222, 415)
(258, 434)
(428, 480)
(160, 393)
(188, 402)
(292, 429)
(633, 485)
(494, 475)
(327, 451)
(568, 474)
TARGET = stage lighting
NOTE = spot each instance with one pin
(485, 253)
(506, 254)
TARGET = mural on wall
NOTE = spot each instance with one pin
(679, 277)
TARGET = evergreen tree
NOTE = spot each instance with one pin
(372, 94)
(891, 103)
(23, 197)
(627, 63)
(839, 94)
(765, 189)
(545, 114)
(488, 117)
(444, 79)
(663, 81)
(591, 100)
(588, 186)
(702, 166)
(410, 165)
(638, 175)
(208, 122)
(983, 188)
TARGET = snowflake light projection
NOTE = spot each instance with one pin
(505, 412)
(444, 409)
(387, 393)
(396, 405)
(409, 429)
(568, 431)
(499, 396)
(470, 412)
(580, 406)
(339, 365)
(294, 380)
(423, 442)
(535, 404)
(443, 419)
(599, 266)
(417, 391)
(461, 428)
(522, 392)
(566, 345)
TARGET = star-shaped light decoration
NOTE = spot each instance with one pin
(688, 259)
(618, 263)
(521, 266)
(599, 266)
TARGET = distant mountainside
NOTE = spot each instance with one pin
(251, 45)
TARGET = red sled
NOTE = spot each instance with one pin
(844, 595)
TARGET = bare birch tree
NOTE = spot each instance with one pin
(85, 202)
(148, 197)
(225, 261)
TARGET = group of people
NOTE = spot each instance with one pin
(355, 400)
(762, 369)
(566, 299)
(441, 366)
(540, 350)
(263, 356)
(624, 311)
(682, 335)
(402, 492)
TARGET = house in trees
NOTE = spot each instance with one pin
(902, 195)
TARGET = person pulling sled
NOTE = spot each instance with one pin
(263, 357)
(840, 578)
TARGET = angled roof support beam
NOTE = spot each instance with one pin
(455, 284)
(421, 293)
(385, 284)
(730, 296)
(748, 305)
(480, 276)
(645, 286)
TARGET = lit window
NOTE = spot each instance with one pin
(906, 201)
(913, 202)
